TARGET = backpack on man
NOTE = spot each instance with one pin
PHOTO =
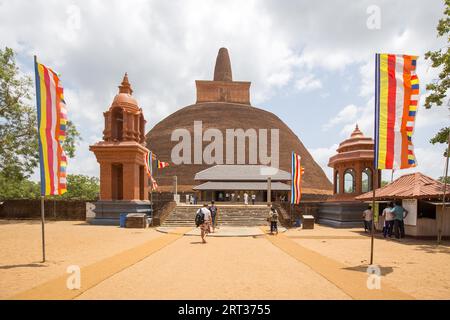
(199, 217)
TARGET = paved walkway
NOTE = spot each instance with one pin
(224, 231)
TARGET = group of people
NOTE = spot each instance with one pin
(206, 219)
(232, 197)
(393, 216)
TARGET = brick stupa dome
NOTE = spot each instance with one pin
(225, 104)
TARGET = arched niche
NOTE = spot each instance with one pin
(366, 180)
(117, 124)
(349, 181)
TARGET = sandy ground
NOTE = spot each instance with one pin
(416, 267)
(225, 268)
(67, 243)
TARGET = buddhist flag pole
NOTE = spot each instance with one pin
(296, 181)
(396, 103)
(51, 125)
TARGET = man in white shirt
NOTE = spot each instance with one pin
(246, 198)
(205, 226)
(389, 218)
(368, 216)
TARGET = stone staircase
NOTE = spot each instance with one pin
(228, 215)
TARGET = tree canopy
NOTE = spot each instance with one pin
(440, 59)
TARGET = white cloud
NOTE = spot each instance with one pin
(322, 155)
(308, 83)
(346, 115)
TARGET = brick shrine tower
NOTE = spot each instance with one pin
(121, 155)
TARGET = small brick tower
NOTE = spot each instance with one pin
(121, 155)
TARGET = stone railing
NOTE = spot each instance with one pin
(161, 210)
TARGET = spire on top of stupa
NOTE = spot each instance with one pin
(357, 132)
(222, 70)
(125, 86)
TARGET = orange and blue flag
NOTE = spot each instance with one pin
(296, 178)
(396, 103)
(52, 123)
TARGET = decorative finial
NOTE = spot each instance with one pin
(125, 86)
(222, 70)
(357, 132)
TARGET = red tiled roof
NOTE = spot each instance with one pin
(409, 186)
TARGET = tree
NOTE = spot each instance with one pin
(81, 187)
(18, 189)
(440, 59)
(19, 153)
(442, 179)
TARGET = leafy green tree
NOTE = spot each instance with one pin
(440, 59)
(19, 153)
(81, 187)
(442, 179)
(384, 182)
(18, 189)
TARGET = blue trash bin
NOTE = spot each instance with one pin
(122, 220)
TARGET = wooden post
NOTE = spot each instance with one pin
(43, 227)
(375, 178)
(269, 190)
(441, 218)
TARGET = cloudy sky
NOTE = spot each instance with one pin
(310, 62)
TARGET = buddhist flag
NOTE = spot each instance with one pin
(296, 179)
(148, 163)
(396, 103)
(162, 164)
(52, 122)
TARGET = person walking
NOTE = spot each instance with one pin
(273, 219)
(213, 209)
(368, 216)
(400, 214)
(245, 198)
(253, 198)
(203, 220)
(388, 220)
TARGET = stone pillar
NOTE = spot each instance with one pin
(341, 179)
(358, 177)
(145, 179)
(105, 181)
(130, 181)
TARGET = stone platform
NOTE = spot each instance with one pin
(341, 214)
(108, 212)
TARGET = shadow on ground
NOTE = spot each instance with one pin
(27, 265)
(363, 268)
